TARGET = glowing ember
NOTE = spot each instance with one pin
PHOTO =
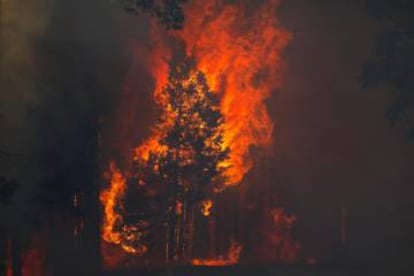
(232, 257)
(131, 240)
(206, 206)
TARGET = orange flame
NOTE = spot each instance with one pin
(241, 57)
(160, 69)
(232, 258)
(239, 49)
(206, 206)
(111, 198)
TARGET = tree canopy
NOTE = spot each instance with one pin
(394, 61)
(184, 170)
(168, 12)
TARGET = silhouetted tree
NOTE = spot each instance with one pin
(191, 124)
(394, 62)
(168, 12)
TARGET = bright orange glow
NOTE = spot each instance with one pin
(111, 198)
(206, 206)
(239, 50)
(241, 57)
(232, 257)
(160, 70)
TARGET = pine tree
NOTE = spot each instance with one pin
(192, 136)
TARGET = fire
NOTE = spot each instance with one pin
(232, 257)
(241, 57)
(238, 49)
(111, 199)
(114, 231)
(206, 206)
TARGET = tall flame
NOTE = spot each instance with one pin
(240, 53)
(239, 49)
(111, 199)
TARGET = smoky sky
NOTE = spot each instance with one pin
(333, 146)
(65, 62)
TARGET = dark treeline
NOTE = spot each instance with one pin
(394, 60)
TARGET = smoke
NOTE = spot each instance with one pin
(22, 23)
(63, 64)
(334, 148)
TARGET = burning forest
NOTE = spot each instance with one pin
(210, 90)
(205, 137)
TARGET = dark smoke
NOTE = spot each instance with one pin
(63, 64)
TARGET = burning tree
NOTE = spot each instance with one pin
(191, 150)
(186, 166)
(200, 144)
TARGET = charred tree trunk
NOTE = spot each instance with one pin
(177, 219)
(191, 164)
(88, 220)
